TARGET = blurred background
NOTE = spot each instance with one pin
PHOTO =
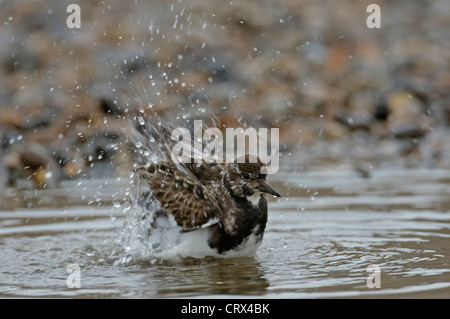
(340, 93)
(364, 120)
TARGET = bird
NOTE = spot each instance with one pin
(203, 209)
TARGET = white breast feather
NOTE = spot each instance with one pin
(254, 199)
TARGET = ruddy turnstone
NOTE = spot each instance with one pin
(206, 209)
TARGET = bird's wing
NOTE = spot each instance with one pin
(206, 172)
(192, 204)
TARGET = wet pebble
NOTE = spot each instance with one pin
(408, 130)
(101, 146)
(74, 168)
(404, 104)
(33, 161)
(357, 120)
(9, 135)
(333, 130)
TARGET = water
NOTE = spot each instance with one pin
(321, 237)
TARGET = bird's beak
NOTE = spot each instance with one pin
(266, 188)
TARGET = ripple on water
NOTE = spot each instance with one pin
(319, 242)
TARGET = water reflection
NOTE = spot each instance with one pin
(236, 276)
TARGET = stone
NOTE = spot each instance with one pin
(74, 168)
(355, 120)
(334, 131)
(31, 160)
(403, 104)
(408, 130)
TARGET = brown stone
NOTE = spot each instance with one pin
(74, 167)
(11, 116)
(334, 131)
(408, 130)
(403, 104)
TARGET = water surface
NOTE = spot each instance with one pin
(321, 237)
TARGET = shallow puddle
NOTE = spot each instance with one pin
(322, 236)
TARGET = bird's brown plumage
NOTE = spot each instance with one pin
(190, 202)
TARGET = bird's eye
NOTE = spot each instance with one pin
(246, 176)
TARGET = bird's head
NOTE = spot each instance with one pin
(244, 178)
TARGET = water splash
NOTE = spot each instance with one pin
(133, 243)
